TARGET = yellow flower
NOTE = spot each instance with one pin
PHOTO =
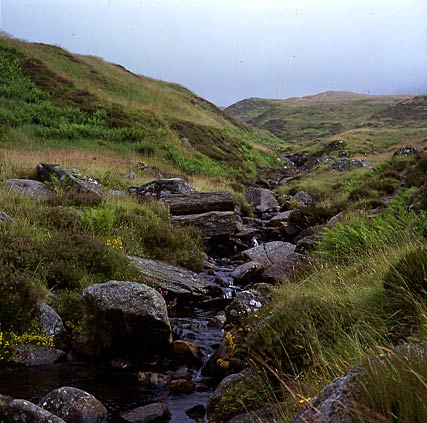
(223, 363)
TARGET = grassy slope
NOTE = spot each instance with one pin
(369, 125)
(52, 100)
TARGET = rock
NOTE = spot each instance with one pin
(269, 414)
(181, 386)
(51, 325)
(334, 220)
(199, 202)
(175, 282)
(5, 218)
(152, 380)
(218, 321)
(262, 199)
(302, 198)
(347, 164)
(406, 151)
(32, 189)
(215, 408)
(85, 345)
(74, 405)
(32, 355)
(269, 252)
(182, 373)
(72, 180)
(129, 314)
(246, 302)
(333, 404)
(197, 412)
(247, 271)
(161, 188)
(157, 412)
(184, 352)
(212, 224)
(21, 411)
(307, 243)
(280, 219)
(130, 175)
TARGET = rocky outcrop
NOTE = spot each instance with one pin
(212, 224)
(199, 202)
(348, 164)
(157, 412)
(176, 283)
(74, 405)
(29, 188)
(32, 355)
(261, 199)
(22, 411)
(129, 315)
(161, 188)
(69, 179)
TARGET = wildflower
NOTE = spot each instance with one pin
(223, 363)
(115, 243)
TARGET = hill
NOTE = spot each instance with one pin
(52, 99)
(370, 126)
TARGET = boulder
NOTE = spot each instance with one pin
(348, 164)
(157, 412)
(129, 314)
(51, 325)
(406, 151)
(262, 199)
(302, 198)
(181, 386)
(176, 283)
(70, 179)
(246, 272)
(199, 202)
(32, 189)
(197, 412)
(161, 188)
(74, 405)
(5, 218)
(152, 380)
(212, 224)
(32, 355)
(246, 302)
(279, 220)
(184, 352)
(22, 411)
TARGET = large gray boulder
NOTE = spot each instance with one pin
(129, 315)
(74, 405)
(29, 188)
(176, 283)
(22, 411)
(69, 179)
(161, 188)
(262, 199)
(246, 272)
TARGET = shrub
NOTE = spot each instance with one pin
(312, 215)
(63, 219)
(361, 193)
(20, 252)
(74, 198)
(19, 299)
(416, 175)
(98, 221)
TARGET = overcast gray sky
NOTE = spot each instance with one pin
(227, 50)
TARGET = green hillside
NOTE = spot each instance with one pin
(53, 100)
(367, 124)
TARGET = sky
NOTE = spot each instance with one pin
(228, 50)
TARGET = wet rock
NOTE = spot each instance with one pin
(21, 411)
(29, 188)
(74, 405)
(347, 164)
(216, 409)
(5, 218)
(32, 355)
(246, 302)
(181, 386)
(199, 202)
(262, 199)
(197, 412)
(182, 373)
(152, 380)
(157, 412)
(73, 180)
(175, 282)
(246, 272)
(129, 314)
(184, 352)
(217, 321)
(268, 253)
(161, 188)
(212, 224)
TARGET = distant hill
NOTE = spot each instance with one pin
(312, 117)
(51, 96)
